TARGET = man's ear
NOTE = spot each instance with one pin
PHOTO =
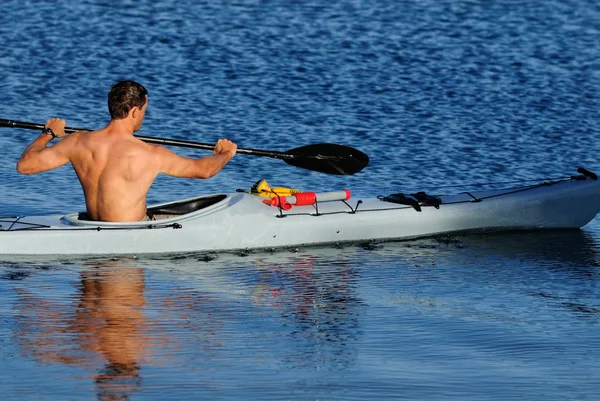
(134, 112)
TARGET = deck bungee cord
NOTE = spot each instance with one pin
(475, 185)
(45, 227)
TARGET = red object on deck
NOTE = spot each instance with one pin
(307, 198)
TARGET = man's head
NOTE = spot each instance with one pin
(128, 98)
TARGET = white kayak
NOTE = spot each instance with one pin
(239, 221)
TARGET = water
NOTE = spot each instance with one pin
(435, 92)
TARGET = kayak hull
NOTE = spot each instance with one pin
(242, 221)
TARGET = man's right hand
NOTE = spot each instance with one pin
(225, 147)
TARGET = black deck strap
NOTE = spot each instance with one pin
(402, 200)
(587, 173)
(428, 200)
(475, 199)
(416, 200)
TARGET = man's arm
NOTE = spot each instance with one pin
(37, 157)
(184, 167)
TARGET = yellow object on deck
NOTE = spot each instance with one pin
(262, 188)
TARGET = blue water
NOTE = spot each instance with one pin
(435, 92)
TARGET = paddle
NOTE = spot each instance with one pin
(328, 158)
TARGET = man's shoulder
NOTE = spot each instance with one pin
(85, 134)
(135, 147)
(155, 148)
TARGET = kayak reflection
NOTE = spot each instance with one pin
(318, 299)
(568, 249)
(306, 303)
(124, 320)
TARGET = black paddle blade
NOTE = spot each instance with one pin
(328, 158)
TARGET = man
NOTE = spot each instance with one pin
(115, 168)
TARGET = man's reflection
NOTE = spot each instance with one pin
(108, 322)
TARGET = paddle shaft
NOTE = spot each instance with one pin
(328, 158)
(161, 141)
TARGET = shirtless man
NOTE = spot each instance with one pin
(115, 168)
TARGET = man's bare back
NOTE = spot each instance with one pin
(115, 168)
(116, 171)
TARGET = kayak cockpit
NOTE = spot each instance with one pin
(164, 213)
(186, 206)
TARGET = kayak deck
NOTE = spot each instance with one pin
(224, 222)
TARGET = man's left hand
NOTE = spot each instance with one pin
(57, 126)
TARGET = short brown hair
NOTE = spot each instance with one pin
(124, 96)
